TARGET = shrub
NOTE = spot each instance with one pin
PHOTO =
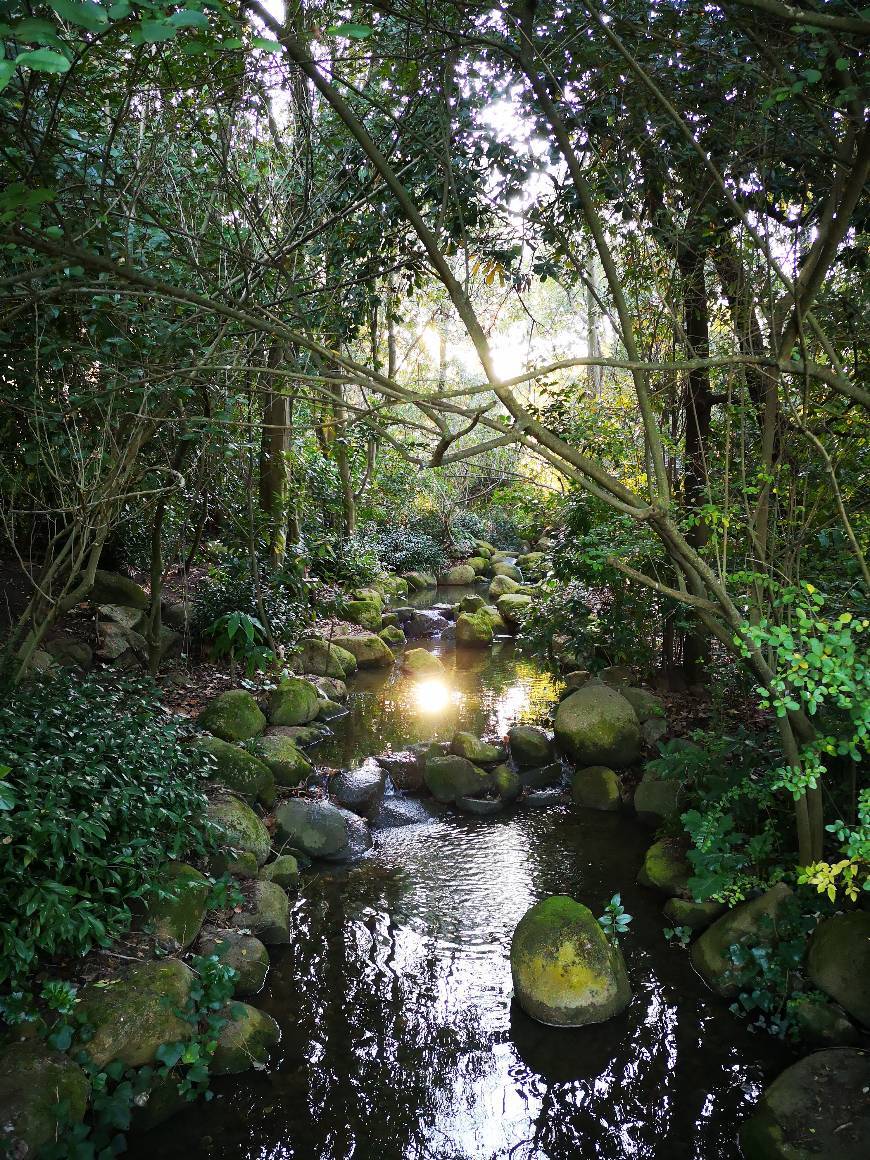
(405, 549)
(230, 588)
(353, 561)
(97, 793)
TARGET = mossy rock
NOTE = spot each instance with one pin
(322, 830)
(458, 575)
(513, 608)
(392, 636)
(323, 658)
(69, 652)
(294, 702)
(646, 705)
(394, 586)
(474, 629)
(266, 914)
(597, 726)
(478, 752)
(531, 561)
(502, 586)
(244, 1041)
(823, 1025)
(656, 800)
(365, 613)
(449, 777)
(286, 763)
(299, 735)
(331, 688)
(329, 710)
(565, 971)
(596, 788)
(541, 776)
(751, 922)
(420, 581)
(370, 651)
(483, 548)
(284, 870)
(136, 1011)
(818, 1107)
(240, 865)
(241, 827)
(372, 594)
(113, 588)
(233, 716)
(696, 916)
(494, 617)
(838, 962)
(176, 918)
(665, 868)
(41, 1094)
(617, 676)
(529, 746)
(419, 662)
(472, 602)
(506, 782)
(247, 955)
(509, 570)
(239, 770)
(478, 563)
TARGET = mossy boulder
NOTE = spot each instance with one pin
(419, 662)
(752, 922)
(266, 913)
(565, 971)
(529, 746)
(135, 1011)
(329, 710)
(474, 629)
(541, 776)
(370, 651)
(822, 1024)
(359, 789)
(597, 726)
(818, 1107)
(113, 588)
(513, 608)
(478, 752)
(394, 586)
(294, 702)
(502, 586)
(247, 955)
(838, 962)
(617, 676)
(322, 830)
(372, 593)
(419, 581)
(656, 800)
(531, 562)
(596, 788)
(509, 570)
(365, 613)
(392, 636)
(323, 658)
(233, 716)
(244, 1041)
(470, 603)
(506, 783)
(284, 870)
(646, 705)
(239, 770)
(41, 1094)
(457, 575)
(175, 917)
(665, 868)
(695, 915)
(449, 777)
(241, 864)
(69, 652)
(331, 688)
(478, 563)
(286, 763)
(483, 548)
(494, 617)
(241, 827)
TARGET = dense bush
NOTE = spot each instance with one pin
(405, 549)
(230, 587)
(335, 560)
(96, 793)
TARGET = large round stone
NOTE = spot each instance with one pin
(597, 726)
(474, 629)
(595, 788)
(324, 659)
(279, 752)
(420, 662)
(365, 613)
(322, 830)
(817, 1107)
(502, 586)
(241, 828)
(509, 570)
(513, 608)
(752, 922)
(369, 650)
(529, 746)
(41, 1092)
(246, 955)
(244, 1041)
(839, 962)
(359, 789)
(233, 716)
(239, 770)
(459, 574)
(175, 917)
(266, 913)
(449, 777)
(566, 973)
(665, 868)
(294, 702)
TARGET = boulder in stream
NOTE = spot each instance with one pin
(359, 789)
(474, 629)
(42, 1092)
(566, 972)
(838, 962)
(478, 752)
(369, 650)
(449, 777)
(665, 868)
(529, 746)
(238, 770)
(322, 830)
(419, 662)
(751, 923)
(510, 570)
(242, 829)
(294, 702)
(425, 622)
(502, 586)
(324, 658)
(175, 917)
(266, 914)
(513, 608)
(596, 788)
(597, 726)
(232, 716)
(459, 574)
(244, 1041)
(245, 954)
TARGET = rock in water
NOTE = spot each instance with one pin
(294, 702)
(596, 788)
(420, 662)
(266, 914)
(239, 770)
(323, 659)
(566, 973)
(365, 613)
(474, 629)
(41, 1091)
(529, 746)
(597, 726)
(459, 574)
(752, 922)
(665, 868)
(244, 1041)
(233, 716)
(424, 623)
(839, 962)
(322, 830)
(656, 800)
(450, 777)
(478, 752)
(245, 954)
(816, 1108)
(241, 827)
(694, 915)
(513, 607)
(370, 651)
(359, 789)
(282, 757)
(284, 871)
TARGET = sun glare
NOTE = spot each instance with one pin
(432, 695)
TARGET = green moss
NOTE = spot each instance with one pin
(322, 658)
(509, 570)
(665, 868)
(474, 629)
(656, 800)
(247, 955)
(284, 870)
(502, 586)
(113, 588)
(478, 563)
(597, 726)
(233, 716)
(596, 788)
(392, 636)
(506, 783)
(241, 827)
(319, 829)
(529, 746)
(449, 777)
(478, 752)
(287, 765)
(239, 770)
(267, 914)
(176, 918)
(513, 607)
(35, 1084)
(839, 962)
(457, 575)
(365, 613)
(370, 651)
(245, 1040)
(421, 662)
(695, 915)
(753, 922)
(294, 702)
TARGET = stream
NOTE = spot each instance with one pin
(400, 1039)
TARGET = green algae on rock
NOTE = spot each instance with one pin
(420, 662)
(565, 971)
(238, 769)
(750, 922)
(695, 915)
(474, 629)
(392, 636)
(656, 800)
(478, 752)
(294, 702)
(175, 918)
(502, 586)
(246, 954)
(596, 788)
(113, 588)
(244, 1041)
(449, 777)
(459, 574)
(242, 828)
(597, 726)
(513, 607)
(266, 914)
(323, 658)
(42, 1093)
(665, 868)
(529, 746)
(233, 716)
(284, 870)
(286, 763)
(838, 962)
(366, 613)
(369, 651)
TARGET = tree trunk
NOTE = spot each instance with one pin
(274, 445)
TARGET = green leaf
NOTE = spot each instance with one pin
(119, 9)
(44, 60)
(266, 45)
(841, 64)
(155, 31)
(350, 31)
(188, 19)
(7, 71)
(38, 32)
(84, 13)
(812, 75)
(7, 797)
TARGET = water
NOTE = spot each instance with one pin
(400, 1039)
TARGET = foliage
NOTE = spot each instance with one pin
(852, 872)
(406, 549)
(231, 589)
(239, 636)
(678, 934)
(615, 922)
(98, 794)
(352, 561)
(560, 626)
